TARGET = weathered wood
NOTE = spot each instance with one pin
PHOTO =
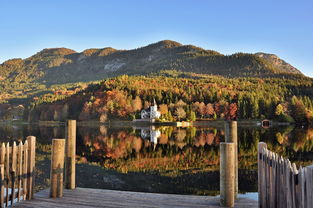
(2, 160)
(2, 154)
(2, 184)
(301, 188)
(85, 197)
(13, 171)
(227, 174)
(57, 168)
(7, 172)
(70, 154)
(231, 135)
(261, 146)
(273, 182)
(309, 185)
(20, 170)
(25, 169)
(31, 140)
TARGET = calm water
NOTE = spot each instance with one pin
(162, 159)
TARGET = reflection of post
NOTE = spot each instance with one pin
(70, 154)
(231, 136)
(227, 174)
(57, 166)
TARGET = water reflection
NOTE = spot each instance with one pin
(178, 156)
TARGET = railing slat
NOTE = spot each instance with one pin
(7, 172)
(25, 168)
(281, 184)
(2, 160)
(2, 184)
(20, 170)
(31, 165)
(13, 172)
(261, 146)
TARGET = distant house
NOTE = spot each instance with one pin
(266, 123)
(151, 113)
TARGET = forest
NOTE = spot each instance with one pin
(181, 96)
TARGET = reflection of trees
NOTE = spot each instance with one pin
(176, 148)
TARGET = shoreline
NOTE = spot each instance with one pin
(113, 123)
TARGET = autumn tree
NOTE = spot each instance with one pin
(137, 104)
(209, 110)
(180, 113)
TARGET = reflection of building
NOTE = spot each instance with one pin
(150, 133)
(151, 113)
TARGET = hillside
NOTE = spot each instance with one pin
(30, 77)
(183, 96)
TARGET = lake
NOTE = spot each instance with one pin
(162, 159)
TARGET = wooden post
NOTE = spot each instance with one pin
(261, 171)
(231, 135)
(70, 155)
(31, 140)
(227, 174)
(2, 184)
(57, 168)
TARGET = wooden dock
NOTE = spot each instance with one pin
(85, 197)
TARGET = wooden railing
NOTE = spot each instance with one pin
(281, 184)
(17, 164)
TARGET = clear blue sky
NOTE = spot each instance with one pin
(281, 27)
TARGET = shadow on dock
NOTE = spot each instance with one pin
(85, 197)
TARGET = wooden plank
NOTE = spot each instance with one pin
(265, 175)
(13, 172)
(269, 183)
(284, 184)
(7, 172)
(25, 169)
(274, 185)
(261, 146)
(2, 185)
(31, 140)
(309, 185)
(2, 154)
(288, 182)
(2, 160)
(81, 197)
(301, 188)
(20, 170)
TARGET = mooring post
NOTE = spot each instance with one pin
(231, 135)
(227, 174)
(57, 168)
(70, 155)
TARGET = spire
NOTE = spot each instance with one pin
(154, 103)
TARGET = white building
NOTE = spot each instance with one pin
(151, 113)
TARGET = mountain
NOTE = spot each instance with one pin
(62, 65)
(279, 63)
(55, 69)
